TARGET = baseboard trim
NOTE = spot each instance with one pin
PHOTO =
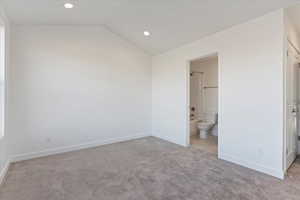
(168, 139)
(54, 151)
(4, 171)
(266, 170)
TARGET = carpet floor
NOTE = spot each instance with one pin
(143, 169)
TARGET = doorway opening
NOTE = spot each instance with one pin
(292, 97)
(203, 101)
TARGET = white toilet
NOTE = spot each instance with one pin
(206, 125)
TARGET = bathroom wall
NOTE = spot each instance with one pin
(250, 88)
(209, 104)
(74, 87)
(196, 95)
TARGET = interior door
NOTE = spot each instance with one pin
(291, 108)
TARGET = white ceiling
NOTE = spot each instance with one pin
(171, 22)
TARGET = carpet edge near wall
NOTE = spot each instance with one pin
(65, 149)
(253, 166)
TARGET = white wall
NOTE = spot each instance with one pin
(209, 104)
(75, 85)
(4, 154)
(251, 92)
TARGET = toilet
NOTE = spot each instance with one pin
(205, 126)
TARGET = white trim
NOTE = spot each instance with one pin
(188, 103)
(287, 159)
(4, 171)
(170, 139)
(59, 150)
(285, 59)
(3, 53)
(253, 166)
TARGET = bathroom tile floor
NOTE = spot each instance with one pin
(210, 144)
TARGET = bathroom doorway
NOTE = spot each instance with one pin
(203, 101)
(291, 105)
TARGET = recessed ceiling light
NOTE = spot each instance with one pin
(69, 5)
(146, 33)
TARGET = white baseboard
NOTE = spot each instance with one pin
(3, 172)
(48, 152)
(169, 139)
(266, 170)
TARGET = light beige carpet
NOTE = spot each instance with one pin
(144, 169)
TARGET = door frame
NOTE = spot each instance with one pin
(289, 47)
(187, 108)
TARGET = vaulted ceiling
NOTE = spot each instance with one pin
(172, 23)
